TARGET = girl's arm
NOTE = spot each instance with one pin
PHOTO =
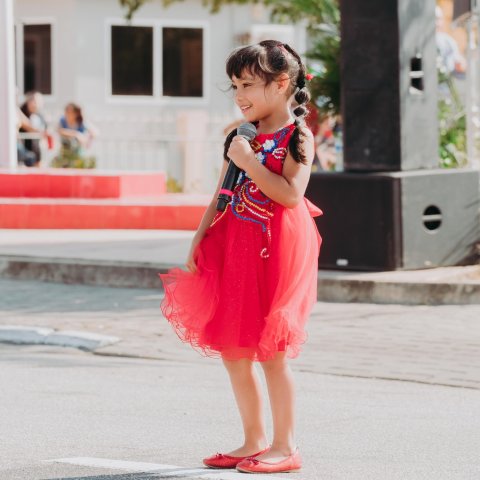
(24, 123)
(286, 189)
(67, 132)
(207, 219)
(82, 138)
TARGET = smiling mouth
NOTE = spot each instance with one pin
(245, 107)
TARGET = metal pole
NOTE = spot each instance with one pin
(8, 142)
(473, 96)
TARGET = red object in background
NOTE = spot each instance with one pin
(50, 142)
(101, 214)
(72, 183)
(312, 118)
(78, 199)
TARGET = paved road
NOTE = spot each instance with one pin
(120, 417)
(428, 344)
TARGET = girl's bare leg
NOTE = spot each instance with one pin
(247, 390)
(281, 390)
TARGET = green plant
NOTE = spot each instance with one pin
(452, 123)
(173, 186)
(70, 158)
(324, 62)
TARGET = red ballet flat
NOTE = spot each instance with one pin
(220, 460)
(292, 463)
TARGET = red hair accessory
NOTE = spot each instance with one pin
(308, 76)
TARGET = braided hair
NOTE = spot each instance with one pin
(268, 60)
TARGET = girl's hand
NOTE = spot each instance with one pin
(241, 153)
(190, 262)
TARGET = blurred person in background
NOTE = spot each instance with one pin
(76, 138)
(24, 156)
(31, 109)
(449, 54)
(325, 140)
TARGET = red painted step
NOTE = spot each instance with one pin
(174, 211)
(74, 183)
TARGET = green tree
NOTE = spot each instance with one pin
(452, 123)
(322, 20)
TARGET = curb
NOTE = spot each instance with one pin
(25, 335)
(80, 271)
(405, 293)
(333, 286)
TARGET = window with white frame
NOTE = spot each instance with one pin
(37, 58)
(182, 69)
(134, 61)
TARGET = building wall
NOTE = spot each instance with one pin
(80, 48)
(143, 133)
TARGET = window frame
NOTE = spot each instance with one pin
(20, 24)
(157, 98)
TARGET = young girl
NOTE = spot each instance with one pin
(76, 138)
(252, 269)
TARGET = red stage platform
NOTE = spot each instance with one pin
(182, 212)
(79, 200)
(72, 183)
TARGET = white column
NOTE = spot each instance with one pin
(8, 150)
(192, 128)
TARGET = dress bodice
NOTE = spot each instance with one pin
(249, 204)
(271, 149)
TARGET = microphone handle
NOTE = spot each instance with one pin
(231, 178)
(226, 192)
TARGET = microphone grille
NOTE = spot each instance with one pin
(247, 130)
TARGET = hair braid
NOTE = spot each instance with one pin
(302, 97)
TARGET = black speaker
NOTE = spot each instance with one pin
(399, 220)
(389, 85)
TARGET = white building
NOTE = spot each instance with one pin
(148, 85)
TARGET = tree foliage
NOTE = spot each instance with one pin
(131, 6)
(452, 123)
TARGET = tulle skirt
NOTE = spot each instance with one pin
(238, 304)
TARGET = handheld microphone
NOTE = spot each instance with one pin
(248, 131)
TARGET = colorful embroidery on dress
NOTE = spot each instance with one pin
(248, 202)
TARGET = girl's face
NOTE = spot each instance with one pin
(32, 105)
(70, 115)
(255, 98)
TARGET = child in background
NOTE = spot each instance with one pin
(76, 138)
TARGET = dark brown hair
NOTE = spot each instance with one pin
(268, 60)
(77, 110)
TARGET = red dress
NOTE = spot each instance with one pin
(257, 268)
